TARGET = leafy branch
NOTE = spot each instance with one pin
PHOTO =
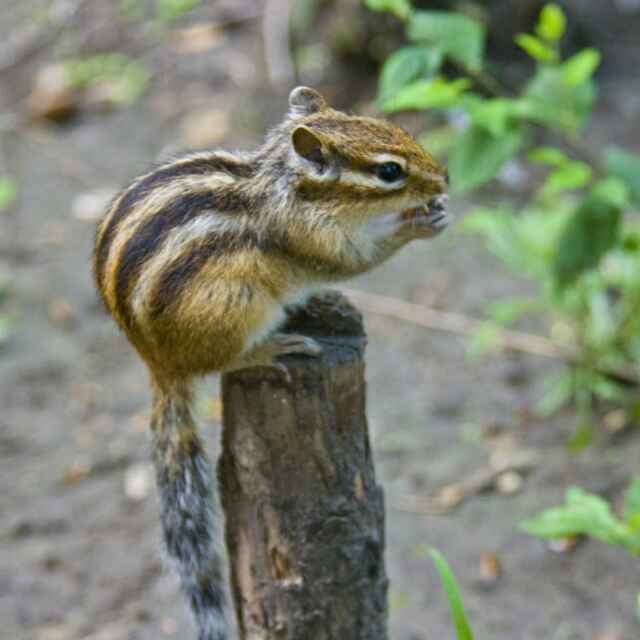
(571, 237)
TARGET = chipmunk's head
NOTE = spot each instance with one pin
(357, 167)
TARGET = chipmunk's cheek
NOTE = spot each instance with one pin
(414, 212)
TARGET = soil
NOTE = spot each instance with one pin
(80, 555)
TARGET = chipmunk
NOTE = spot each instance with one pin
(197, 260)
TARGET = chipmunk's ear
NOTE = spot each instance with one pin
(309, 146)
(304, 101)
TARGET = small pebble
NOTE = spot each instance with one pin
(197, 38)
(61, 314)
(91, 205)
(509, 482)
(138, 480)
(563, 545)
(75, 473)
(169, 626)
(52, 96)
(615, 421)
(490, 567)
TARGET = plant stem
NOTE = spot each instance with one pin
(461, 324)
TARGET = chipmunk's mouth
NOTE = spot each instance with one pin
(435, 207)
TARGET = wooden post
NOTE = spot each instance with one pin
(304, 515)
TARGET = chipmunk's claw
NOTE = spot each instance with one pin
(438, 217)
(430, 219)
(438, 222)
(438, 204)
(282, 369)
(295, 344)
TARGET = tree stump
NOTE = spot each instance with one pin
(304, 515)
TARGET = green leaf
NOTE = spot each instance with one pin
(549, 100)
(558, 391)
(496, 115)
(631, 507)
(399, 8)
(479, 155)
(601, 328)
(536, 48)
(458, 36)
(507, 312)
(626, 166)
(572, 175)
(497, 228)
(551, 23)
(525, 243)
(548, 155)
(614, 191)
(463, 631)
(437, 93)
(128, 75)
(500, 230)
(170, 10)
(592, 230)
(406, 65)
(607, 389)
(484, 339)
(582, 513)
(582, 436)
(439, 141)
(8, 192)
(131, 9)
(579, 68)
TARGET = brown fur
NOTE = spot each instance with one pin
(287, 228)
(197, 259)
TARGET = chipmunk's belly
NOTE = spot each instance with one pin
(275, 314)
(272, 318)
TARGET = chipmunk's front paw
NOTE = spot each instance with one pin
(293, 343)
(437, 221)
(427, 221)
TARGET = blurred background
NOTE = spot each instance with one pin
(502, 362)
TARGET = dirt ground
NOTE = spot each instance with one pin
(80, 555)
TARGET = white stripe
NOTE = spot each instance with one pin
(367, 236)
(206, 224)
(379, 158)
(369, 180)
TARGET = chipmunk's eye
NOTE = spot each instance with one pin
(389, 171)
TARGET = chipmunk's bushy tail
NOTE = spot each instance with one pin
(189, 509)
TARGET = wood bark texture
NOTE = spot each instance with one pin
(304, 515)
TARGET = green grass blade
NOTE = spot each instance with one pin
(463, 631)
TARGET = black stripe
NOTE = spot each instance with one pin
(184, 268)
(175, 277)
(342, 192)
(140, 189)
(152, 233)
